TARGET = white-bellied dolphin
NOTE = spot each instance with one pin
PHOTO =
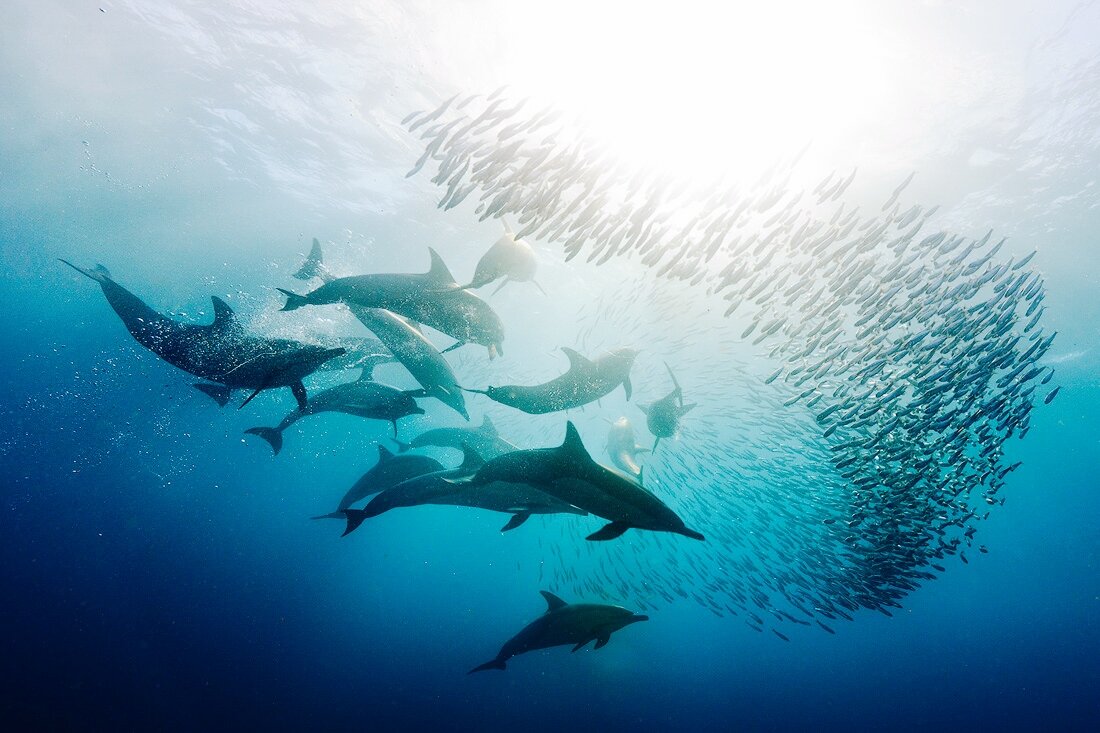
(407, 344)
(519, 500)
(484, 439)
(509, 258)
(563, 624)
(622, 448)
(431, 298)
(390, 470)
(663, 416)
(568, 473)
(362, 398)
(222, 352)
(586, 381)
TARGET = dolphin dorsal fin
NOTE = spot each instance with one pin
(471, 460)
(573, 442)
(487, 426)
(576, 359)
(314, 266)
(224, 317)
(384, 454)
(439, 273)
(553, 603)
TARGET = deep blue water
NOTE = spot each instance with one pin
(159, 572)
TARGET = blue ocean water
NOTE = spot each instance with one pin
(160, 571)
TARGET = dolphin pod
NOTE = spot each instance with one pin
(221, 352)
(564, 624)
(586, 381)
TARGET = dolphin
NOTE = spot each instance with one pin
(622, 449)
(509, 258)
(390, 470)
(519, 500)
(484, 440)
(586, 381)
(562, 624)
(408, 345)
(221, 352)
(362, 398)
(663, 416)
(568, 473)
(431, 298)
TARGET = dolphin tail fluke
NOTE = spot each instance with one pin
(492, 664)
(517, 519)
(355, 517)
(609, 532)
(99, 273)
(217, 392)
(314, 265)
(293, 300)
(333, 515)
(273, 436)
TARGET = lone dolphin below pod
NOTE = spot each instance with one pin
(562, 624)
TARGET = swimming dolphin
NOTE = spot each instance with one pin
(390, 470)
(508, 258)
(519, 500)
(621, 447)
(222, 352)
(484, 440)
(586, 381)
(431, 298)
(407, 344)
(568, 473)
(562, 624)
(663, 416)
(362, 398)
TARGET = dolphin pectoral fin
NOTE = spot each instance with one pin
(272, 435)
(217, 392)
(452, 347)
(688, 408)
(601, 641)
(577, 648)
(333, 515)
(503, 282)
(492, 664)
(99, 273)
(355, 518)
(656, 442)
(299, 391)
(609, 532)
(517, 519)
(251, 397)
(627, 387)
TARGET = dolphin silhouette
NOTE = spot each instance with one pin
(221, 352)
(663, 416)
(562, 624)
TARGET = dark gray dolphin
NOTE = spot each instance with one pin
(568, 473)
(586, 381)
(562, 624)
(663, 416)
(362, 398)
(509, 258)
(432, 298)
(622, 448)
(423, 361)
(519, 500)
(390, 470)
(221, 352)
(484, 440)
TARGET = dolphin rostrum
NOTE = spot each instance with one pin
(586, 381)
(562, 624)
(519, 500)
(663, 416)
(622, 448)
(222, 352)
(484, 440)
(431, 298)
(568, 473)
(423, 361)
(362, 398)
(390, 470)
